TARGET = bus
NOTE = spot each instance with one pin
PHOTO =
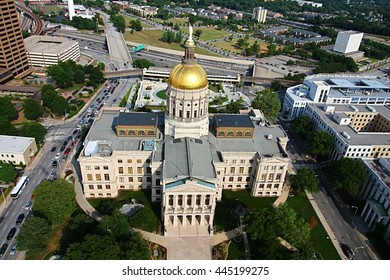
(19, 187)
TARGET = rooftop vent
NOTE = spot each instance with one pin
(346, 135)
(371, 109)
(354, 108)
(269, 137)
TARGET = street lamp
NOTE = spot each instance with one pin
(356, 209)
(355, 250)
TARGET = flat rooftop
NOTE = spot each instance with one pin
(357, 138)
(380, 169)
(14, 144)
(47, 44)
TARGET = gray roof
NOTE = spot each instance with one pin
(48, 44)
(20, 89)
(364, 138)
(14, 144)
(188, 157)
(138, 119)
(233, 121)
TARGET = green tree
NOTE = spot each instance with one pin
(136, 25)
(348, 175)
(302, 125)
(79, 77)
(319, 143)
(6, 127)
(7, 108)
(198, 32)
(267, 225)
(94, 247)
(31, 108)
(142, 63)
(55, 200)
(33, 234)
(268, 102)
(8, 173)
(34, 130)
(60, 75)
(117, 225)
(305, 179)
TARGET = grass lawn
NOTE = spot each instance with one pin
(321, 244)
(236, 249)
(230, 46)
(208, 33)
(224, 217)
(179, 21)
(143, 196)
(128, 19)
(162, 94)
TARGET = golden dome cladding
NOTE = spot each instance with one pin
(190, 77)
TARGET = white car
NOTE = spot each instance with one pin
(58, 155)
(13, 249)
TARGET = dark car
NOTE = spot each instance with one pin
(20, 219)
(53, 149)
(114, 100)
(347, 251)
(55, 163)
(70, 137)
(75, 131)
(11, 233)
(3, 249)
(65, 143)
(62, 149)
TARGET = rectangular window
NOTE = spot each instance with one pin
(90, 187)
(99, 187)
(271, 177)
(130, 179)
(106, 177)
(239, 179)
(170, 200)
(108, 187)
(105, 167)
(243, 161)
(198, 199)
(97, 167)
(188, 114)
(139, 161)
(139, 170)
(148, 170)
(278, 176)
(249, 170)
(158, 182)
(121, 179)
(149, 179)
(207, 200)
(262, 177)
(158, 192)
(241, 170)
(231, 179)
(232, 170)
(120, 161)
(98, 177)
(88, 167)
(120, 170)
(129, 161)
(89, 177)
(129, 170)
(234, 161)
(180, 200)
(139, 179)
(189, 200)
(158, 172)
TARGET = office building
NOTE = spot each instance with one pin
(348, 42)
(12, 51)
(16, 150)
(259, 14)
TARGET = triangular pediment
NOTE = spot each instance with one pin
(188, 185)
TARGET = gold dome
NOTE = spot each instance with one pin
(185, 76)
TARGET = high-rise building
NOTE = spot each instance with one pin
(13, 55)
(259, 14)
(348, 41)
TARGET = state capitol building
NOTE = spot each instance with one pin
(186, 157)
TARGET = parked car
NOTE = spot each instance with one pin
(3, 248)
(11, 233)
(13, 249)
(55, 163)
(27, 205)
(347, 251)
(67, 151)
(53, 149)
(20, 219)
(62, 149)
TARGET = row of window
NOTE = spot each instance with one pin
(234, 134)
(138, 133)
(189, 200)
(7, 155)
(240, 170)
(271, 177)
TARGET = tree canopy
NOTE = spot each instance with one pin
(136, 25)
(33, 234)
(348, 175)
(55, 200)
(31, 108)
(266, 226)
(8, 173)
(6, 127)
(305, 179)
(142, 63)
(34, 130)
(8, 110)
(302, 125)
(268, 102)
(319, 143)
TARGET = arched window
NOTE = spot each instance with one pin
(221, 133)
(248, 134)
(229, 134)
(239, 133)
(122, 132)
(151, 133)
(141, 133)
(131, 132)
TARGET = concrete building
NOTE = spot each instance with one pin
(376, 195)
(335, 89)
(12, 52)
(259, 14)
(43, 51)
(348, 42)
(358, 131)
(186, 157)
(16, 150)
(143, 11)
